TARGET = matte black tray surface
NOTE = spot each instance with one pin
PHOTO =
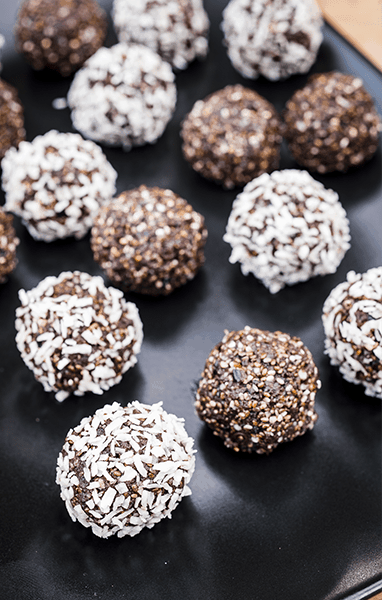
(302, 523)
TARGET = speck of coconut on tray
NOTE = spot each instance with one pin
(76, 334)
(125, 468)
(257, 390)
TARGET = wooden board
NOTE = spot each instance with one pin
(360, 22)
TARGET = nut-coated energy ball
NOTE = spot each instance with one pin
(258, 390)
(59, 34)
(331, 124)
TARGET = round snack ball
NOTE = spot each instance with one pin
(125, 468)
(76, 334)
(12, 130)
(275, 39)
(149, 240)
(8, 244)
(232, 136)
(352, 319)
(56, 184)
(59, 34)
(286, 227)
(331, 124)
(176, 30)
(258, 389)
(123, 96)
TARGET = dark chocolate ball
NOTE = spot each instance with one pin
(232, 136)
(258, 390)
(331, 124)
(59, 34)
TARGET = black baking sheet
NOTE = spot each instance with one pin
(302, 523)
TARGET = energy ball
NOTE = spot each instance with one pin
(275, 39)
(232, 136)
(59, 34)
(258, 390)
(123, 96)
(56, 184)
(12, 130)
(76, 334)
(176, 30)
(149, 240)
(331, 124)
(125, 468)
(352, 319)
(8, 244)
(286, 227)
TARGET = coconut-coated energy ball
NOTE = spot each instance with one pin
(76, 335)
(177, 30)
(275, 39)
(149, 240)
(8, 244)
(56, 184)
(59, 34)
(123, 96)
(12, 130)
(331, 124)
(125, 468)
(352, 320)
(232, 136)
(286, 227)
(257, 390)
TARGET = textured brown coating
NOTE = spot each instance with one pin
(149, 240)
(59, 34)
(257, 390)
(8, 243)
(232, 136)
(331, 124)
(12, 130)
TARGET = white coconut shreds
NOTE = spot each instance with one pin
(123, 96)
(76, 334)
(286, 227)
(352, 319)
(273, 38)
(124, 469)
(177, 30)
(56, 184)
